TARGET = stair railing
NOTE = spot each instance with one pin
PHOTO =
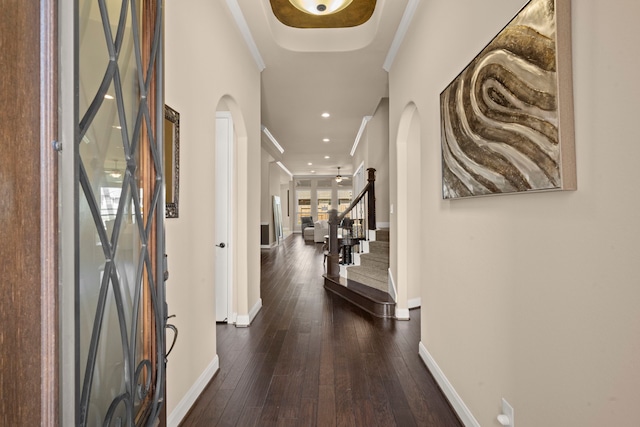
(362, 223)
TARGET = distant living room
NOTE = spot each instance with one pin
(314, 197)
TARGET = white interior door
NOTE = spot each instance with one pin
(224, 246)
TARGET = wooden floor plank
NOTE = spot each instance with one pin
(311, 359)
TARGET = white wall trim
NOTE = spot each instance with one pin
(363, 125)
(414, 303)
(400, 33)
(454, 398)
(402, 314)
(383, 224)
(194, 392)
(392, 286)
(241, 22)
(244, 320)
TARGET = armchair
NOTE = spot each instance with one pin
(305, 222)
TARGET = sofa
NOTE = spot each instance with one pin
(320, 229)
(306, 227)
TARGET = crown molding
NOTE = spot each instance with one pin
(363, 125)
(234, 7)
(409, 11)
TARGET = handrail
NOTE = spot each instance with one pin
(354, 203)
(333, 257)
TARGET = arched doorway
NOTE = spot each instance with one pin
(231, 200)
(409, 241)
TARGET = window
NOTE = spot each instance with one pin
(324, 204)
(344, 199)
(304, 204)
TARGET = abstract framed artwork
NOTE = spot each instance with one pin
(507, 118)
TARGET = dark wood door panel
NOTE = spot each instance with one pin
(27, 215)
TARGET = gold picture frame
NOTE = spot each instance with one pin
(171, 161)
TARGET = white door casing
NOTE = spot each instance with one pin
(223, 217)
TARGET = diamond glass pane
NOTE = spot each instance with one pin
(120, 316)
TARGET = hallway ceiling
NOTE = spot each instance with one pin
(308, 71)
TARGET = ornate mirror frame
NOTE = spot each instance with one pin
(171, 160)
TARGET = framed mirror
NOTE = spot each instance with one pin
(171, 160)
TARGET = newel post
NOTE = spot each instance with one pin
(371, 198)
(333, 259)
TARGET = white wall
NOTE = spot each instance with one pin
(206, 60)
(373, 150)
(273, 178)
(534, 297)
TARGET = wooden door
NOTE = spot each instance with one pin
(28, 206)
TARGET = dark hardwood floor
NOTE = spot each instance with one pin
(311, 359)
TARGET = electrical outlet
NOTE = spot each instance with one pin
(506, 418)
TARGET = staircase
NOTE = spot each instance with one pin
(374, 265)
(366, 285)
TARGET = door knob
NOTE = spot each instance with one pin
(221, 245)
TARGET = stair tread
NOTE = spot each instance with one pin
(378, 243)
(380, 282)
(382, 235)
(375, 256)
(369, 272)
(374, 263)
(375, 295)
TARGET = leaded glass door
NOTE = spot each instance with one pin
(120, 311)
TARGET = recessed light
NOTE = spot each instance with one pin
(325, 115)
(326, 140)
(310, 164)
(327, 157)
(313, 171)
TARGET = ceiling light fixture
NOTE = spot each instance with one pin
(115, 173)
(338, 177)
(320, 7)
(326, 115)
(326, 140)
(327, 157)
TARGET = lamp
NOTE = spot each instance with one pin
(320, 7)
(338, 177)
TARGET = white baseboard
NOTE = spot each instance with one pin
(244, 320)
(383, 224)
(270, 245)
(255, 309)
(343, 270)
(402, 314)
(414, 303)
(459, 406)
(194, 392)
